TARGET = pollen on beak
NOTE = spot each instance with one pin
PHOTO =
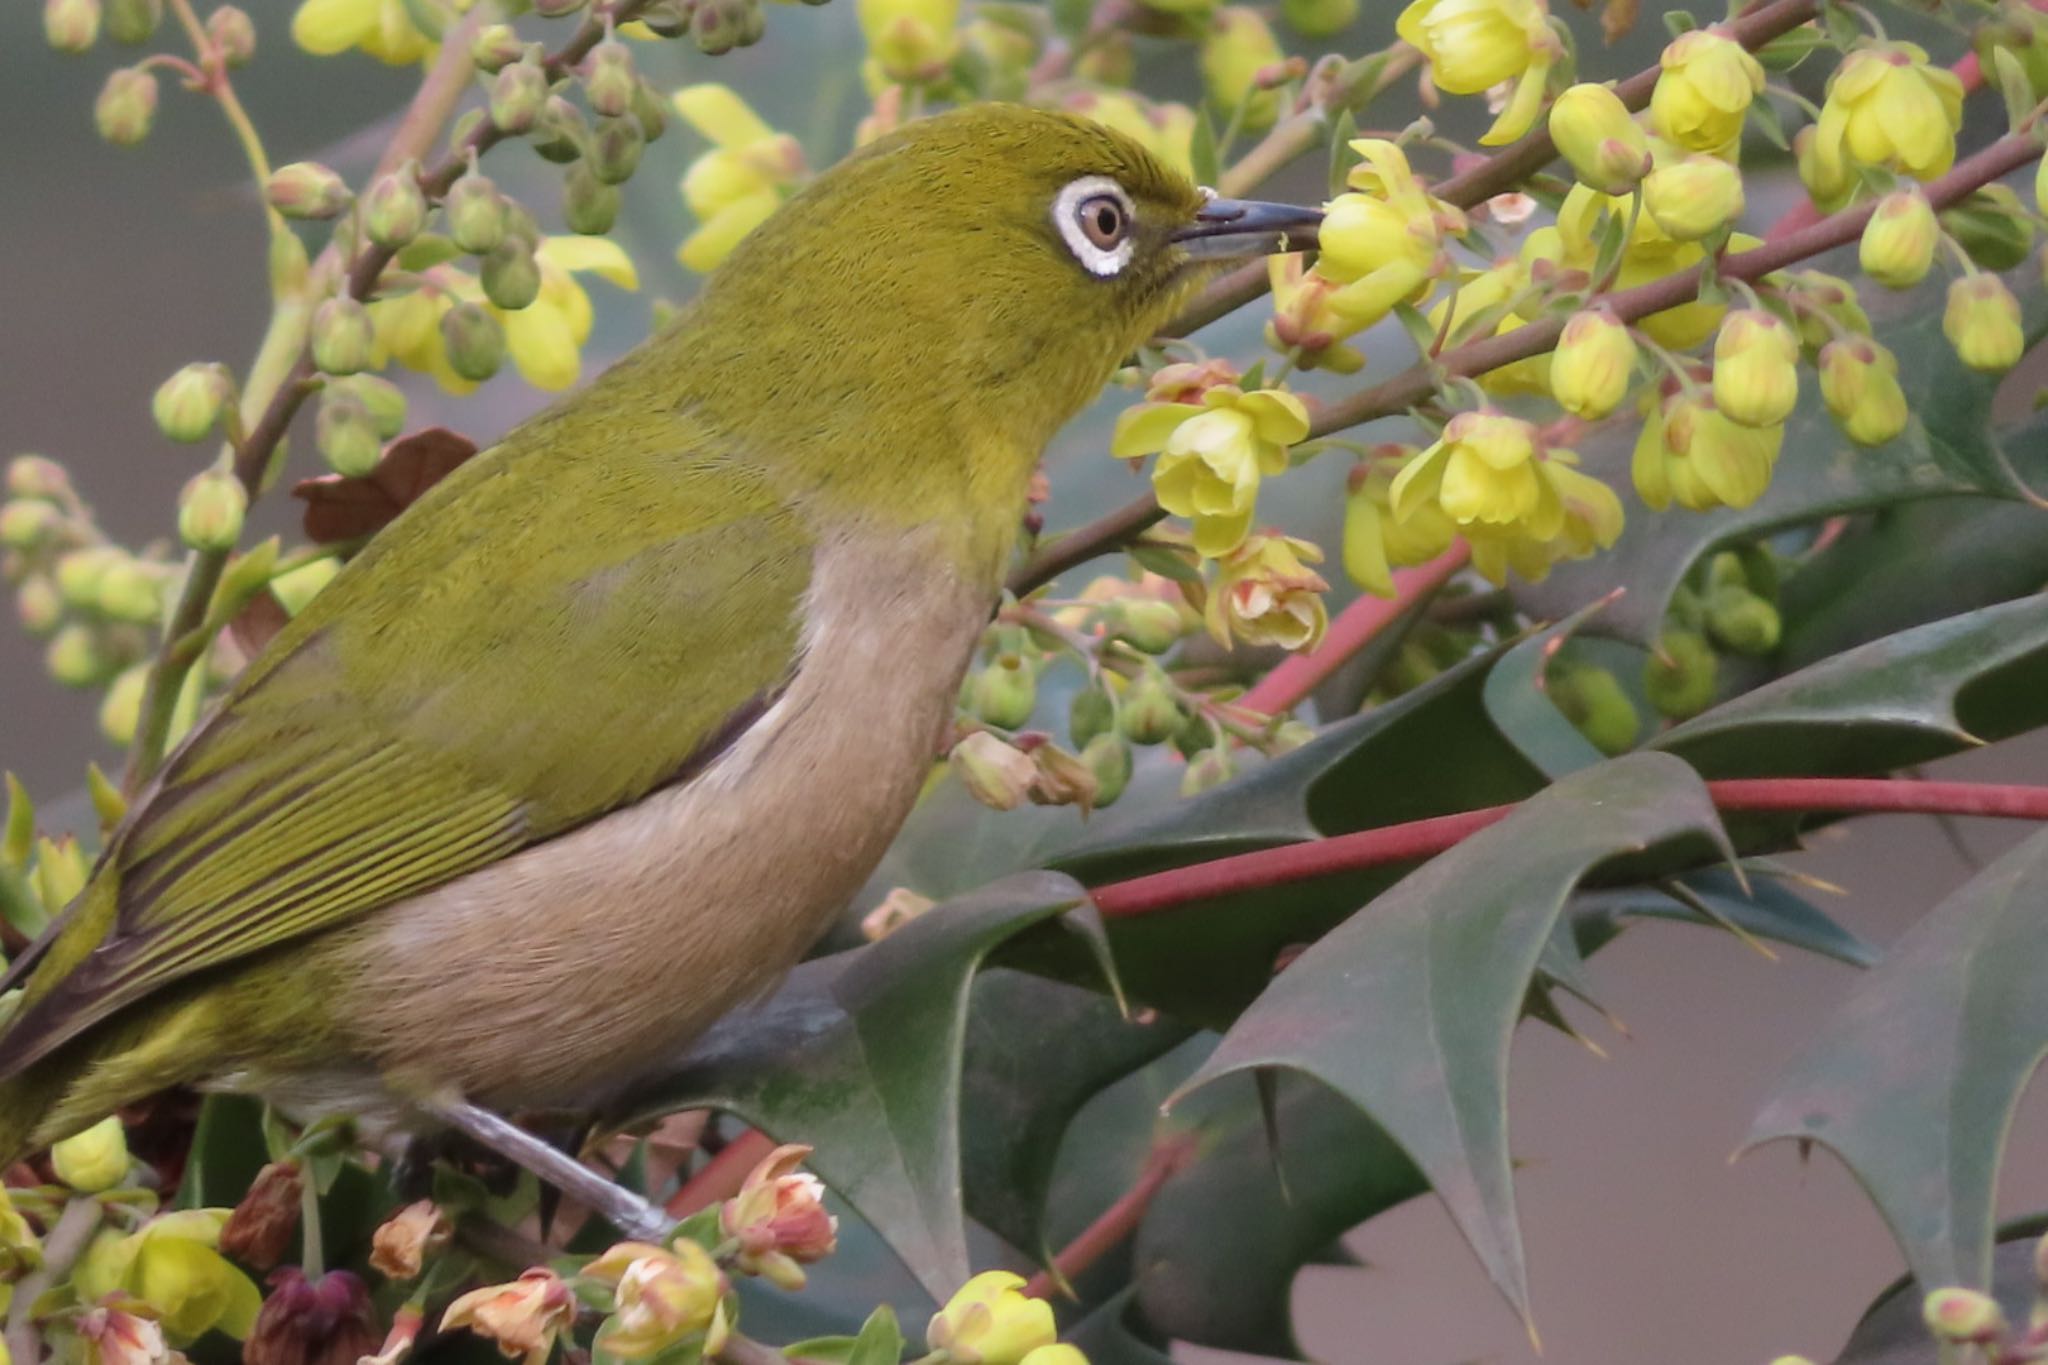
(1229, 229)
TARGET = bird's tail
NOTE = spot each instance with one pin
(28, 1100)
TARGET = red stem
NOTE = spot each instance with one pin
(1357, 626)
(1116, 1222)
(721, 1176)
(1419, 839)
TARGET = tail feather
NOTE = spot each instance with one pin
(28, 1101)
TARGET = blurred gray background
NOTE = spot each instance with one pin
(1646, 1243)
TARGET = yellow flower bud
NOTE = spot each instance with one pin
(475, 212)
(75, 657)
(341, 338)
(1963, 1317)
(615, 148)
(94, 1160)
(38, 605)
(36, 476)
(126, 106)
(1695, 197)
(1376, 541)
(1593, 365)
(1146, 624)
(1004, 693)
(20, 1249)
(495, 47)
(1898, 242)
(1317, 19)
(307, 190)
(233, 34)
(131, 590)
(71, 25)
(589, 205)
(394, 210)
(188, 404)
(1741, 622)
(994, 773)
(913, 40)
(1887, 107)
(1756, 369)
(1704, 88)
(346, 434)
(475, 341)
(1859, 383)
(26, 522)
(1238, 47)
(1475, 45)
(1830, 184)
(1265, 594)
(1695, 456)
(511, 275)
(1594, 131)
(1982, 322)
(990, 1321)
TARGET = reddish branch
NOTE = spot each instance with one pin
(1420, 839)
(1116, 1222)
(721, 1176)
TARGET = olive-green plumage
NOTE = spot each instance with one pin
(590, 743)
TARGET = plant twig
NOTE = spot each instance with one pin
(1415, 840)
(66, 1242)
(1118, 1221)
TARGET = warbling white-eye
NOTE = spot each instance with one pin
(595, 739)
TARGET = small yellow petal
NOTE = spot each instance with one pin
(599, 256)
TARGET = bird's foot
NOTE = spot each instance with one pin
(632, 1215)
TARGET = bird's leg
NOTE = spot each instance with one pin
(617, 1205)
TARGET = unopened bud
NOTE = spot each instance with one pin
(1109, 758)
(719, 26)
(121, 707)
(306, 190)
(189, 404)
(1593, 364)
(1146, 623)
(131, 590)
(519, 93)
(648, 108)
(233, 35)
(495, 47)
(78, 575)
(475, 341)
(346, 434)
(609, 80)
(1004, 693)
(1830, 181)
(1694, 198)
(133, 21)
(1756, 369)
(1963, 1317)
(1991, 227)
(1317, 19)
(1898, 243)
(1209, 768)
(342, 339)
(27, 522)
(1982, 321)
(94, 1160)
(1061, 779)
(1679, 675)
(511, 275)
(994, 773)
(615, 147)
(75, 657)
(38, 605)
(1859, 382)
(589, 206)
(259, 1232)
(1825, 298)
(1150, 713)
(36, 476)
(1593, 130)
(1237, 50)
(1592, 699)
(384, 399)
(210, 511)
(476, 213)
(559, 133)
(1091, 713)
(126, 106)
(394, 210)
(71, 25)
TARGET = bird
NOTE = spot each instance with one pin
(594, 740)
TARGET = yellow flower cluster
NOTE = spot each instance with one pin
(1696, 456)
(383, 29)
(1215, 443)
(174, 1266)
(746, 175)
(1383, 241)
(1474, 46)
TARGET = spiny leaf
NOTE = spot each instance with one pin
(1913, 1081)
(1408, 1008)
(1519, 705)
(1769, 910)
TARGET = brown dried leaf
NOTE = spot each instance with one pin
(1618, 19)
(340, 507)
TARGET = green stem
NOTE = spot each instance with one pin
(312, 1243)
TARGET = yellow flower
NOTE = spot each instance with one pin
(1887, 107)
(1692, 455)
(1650, 253)
(172, 1264)
(399, 1247)
(1212, 455)
(94, 1160)
(911, 40)
(1982, 321)
(661, 1298)
(382, 28)
(1897, 248)
(1859, 381)
(1375, 541)
(1265, 594)
(1756, 369)
(20, 1250)
(1165, 130)
(1830, 185)
(1482, 469)
(1595, 133)
(779, 1219)
(1693, 198)
(1238, 46)
(746, 175)
(1304, 321)
(523, 1317)
(1593, 365)
(1381, 243)
(990, 1321)
(1474, 45)
(1059, 1353)
(1497, 293)
(1577, 515)
(1703, 90)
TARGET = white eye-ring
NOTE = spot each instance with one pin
(1097, 222)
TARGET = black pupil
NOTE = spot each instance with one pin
(1106, 219)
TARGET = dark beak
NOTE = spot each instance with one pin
(1229, 229)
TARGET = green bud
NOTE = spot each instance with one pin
(519, 93)
(36, 476)
(462, 133)
(189, 404)
(1109, 759)
(233, 35)
(306, 190)
(297, 587)
(615, 147)
(475, 212)
(71, 25)
(1831, 295)
(650, 109)
(1209, 768)
(1991, 226)
(1679, 674)
(133, 21)
(1004, 693)
(609, 80)
(1194, 736)
(38, 604)
(27, 522)
(520, 225)
(1963, 1317)
(510, 275)
(75, 658)
(210, 511)
(346, 434)
(394, 211)
(1150, 714)
(669, 18)
(121, 708)
(384, 400)
(475, 341)
(1319, 18)
(126, 106)
(559, 133)
(1726, 570)
(1291, 735)
(1145, 623)
(131, 590)
(1742, 622)
(1092, 713)
(589, 206)
(79, 573)
(343, 340)
(1592, 700)
(495, 47)
(719, 26)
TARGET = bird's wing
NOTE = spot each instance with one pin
(512, 658)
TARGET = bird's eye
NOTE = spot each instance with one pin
(1095, 219)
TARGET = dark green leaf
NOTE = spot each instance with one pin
(1769, 910)
(1913, 1081)
(1520, 706)
(1408, 1008)
(1106, 1336)
(227, 1152)
(1788, 50)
